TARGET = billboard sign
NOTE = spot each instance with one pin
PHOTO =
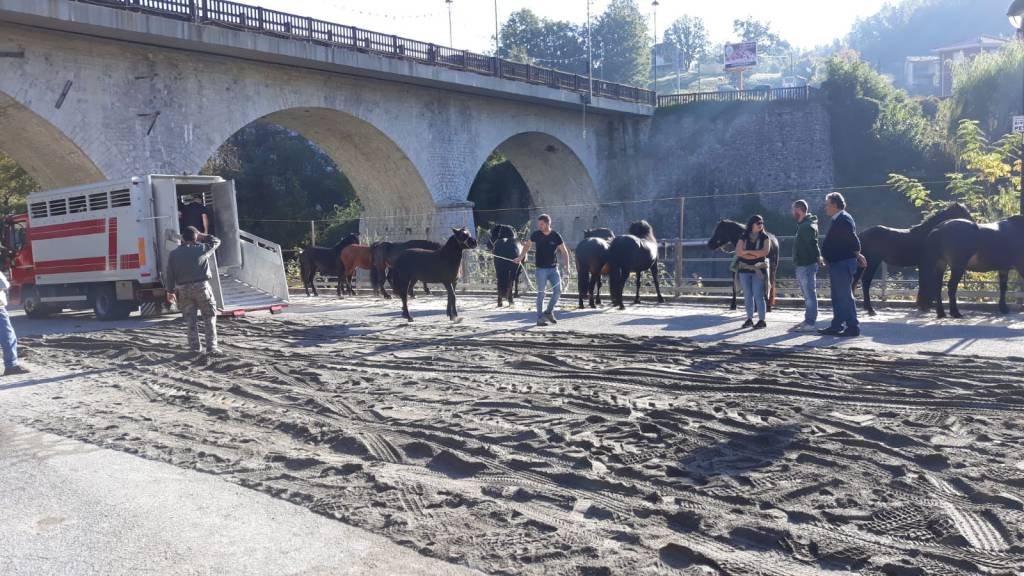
(1018, 124)
(740, 55)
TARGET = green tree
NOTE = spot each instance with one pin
(986, 179)
(15, 186)
(621, 44)
(690, 37)
(916, 27)
(752, 30)
(283, 182)
(525, 37)
(987, 89)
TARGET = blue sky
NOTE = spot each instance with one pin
(806, 23)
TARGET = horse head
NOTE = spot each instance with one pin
(500, 231)
(641, 229)
(463, 238)
(352, 238)
(727, 233)
(603, 233)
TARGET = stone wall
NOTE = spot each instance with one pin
(729, 159)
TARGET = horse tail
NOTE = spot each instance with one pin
(926, 274)
(582, 278)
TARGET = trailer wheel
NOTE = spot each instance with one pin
(32, 306)
(106, 306)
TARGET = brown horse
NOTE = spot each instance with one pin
(354, 257)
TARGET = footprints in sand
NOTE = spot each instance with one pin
(565, 454)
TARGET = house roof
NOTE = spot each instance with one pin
(986, 42)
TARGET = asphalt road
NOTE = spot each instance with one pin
(72, 508)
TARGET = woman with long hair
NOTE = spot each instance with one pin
(752, 259)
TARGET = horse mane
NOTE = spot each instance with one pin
(604, 233)
(955, 210)
(347, 240)
(500, 231)
(641, 229)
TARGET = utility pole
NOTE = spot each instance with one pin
(497, 37)
(451, 42)
(590, 56)
(654, 49)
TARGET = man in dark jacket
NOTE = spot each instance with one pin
(806, 258)
(841, 250)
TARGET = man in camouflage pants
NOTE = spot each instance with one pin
(188, 277)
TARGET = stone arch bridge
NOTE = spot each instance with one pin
(90, 92)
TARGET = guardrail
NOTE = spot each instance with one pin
(239, 16)
(774, 95)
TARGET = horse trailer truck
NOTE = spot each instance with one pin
(105, 246)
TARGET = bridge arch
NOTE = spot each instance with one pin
(558, 180)
(43, 150)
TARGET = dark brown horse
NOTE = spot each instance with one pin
(963, 245)
(434, 266)
(725, 237)
(385, 254)
(903, 247)
(505, 246)
(353, 258)
(325, 260)
(591, 262)
(634, 252)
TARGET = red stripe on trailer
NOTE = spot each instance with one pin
(112, 244)
(71, 265)
(130, 262)
(67, 230)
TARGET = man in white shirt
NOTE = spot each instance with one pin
(8, 340)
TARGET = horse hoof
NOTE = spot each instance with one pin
(1004, 310)
(956, 315)
(872, 313)
(662, 301)
(457, 320)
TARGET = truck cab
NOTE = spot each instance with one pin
(105, 246)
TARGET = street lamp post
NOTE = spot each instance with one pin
(1016, 16)
(654, 49)
(497, 37)
(451, 42)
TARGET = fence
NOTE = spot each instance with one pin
(271, 22)
(774, 95)
(706, 273)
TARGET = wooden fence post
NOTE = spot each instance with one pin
(679, 248)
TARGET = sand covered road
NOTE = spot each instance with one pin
(527, 452)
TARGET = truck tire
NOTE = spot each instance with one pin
(32, 306)
(106, 306)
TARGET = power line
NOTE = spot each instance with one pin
(793, 191)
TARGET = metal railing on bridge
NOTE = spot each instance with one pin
(802, 93)
(235, 15)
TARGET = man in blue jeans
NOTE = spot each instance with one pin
(547, 242)
(8, 340)
(806, 258)
(841, 250)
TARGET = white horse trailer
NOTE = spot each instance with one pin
(105, 246)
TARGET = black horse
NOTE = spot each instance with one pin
(591, 262)
(965, 245)
(900, 246)
(385, 254)
(434, 266)
(505, 245)
(727, 234)
(634, 252)
(324, 260)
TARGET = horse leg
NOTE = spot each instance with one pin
(426, 290)
(594, 290)
(453, 310)
(735, 280)
(636, 300)
(957, 271)
(403, 293)
(657, 283)
(865, 284)
(1004, 281)
(583, 283)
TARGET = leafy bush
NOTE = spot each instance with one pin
(987, 89)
